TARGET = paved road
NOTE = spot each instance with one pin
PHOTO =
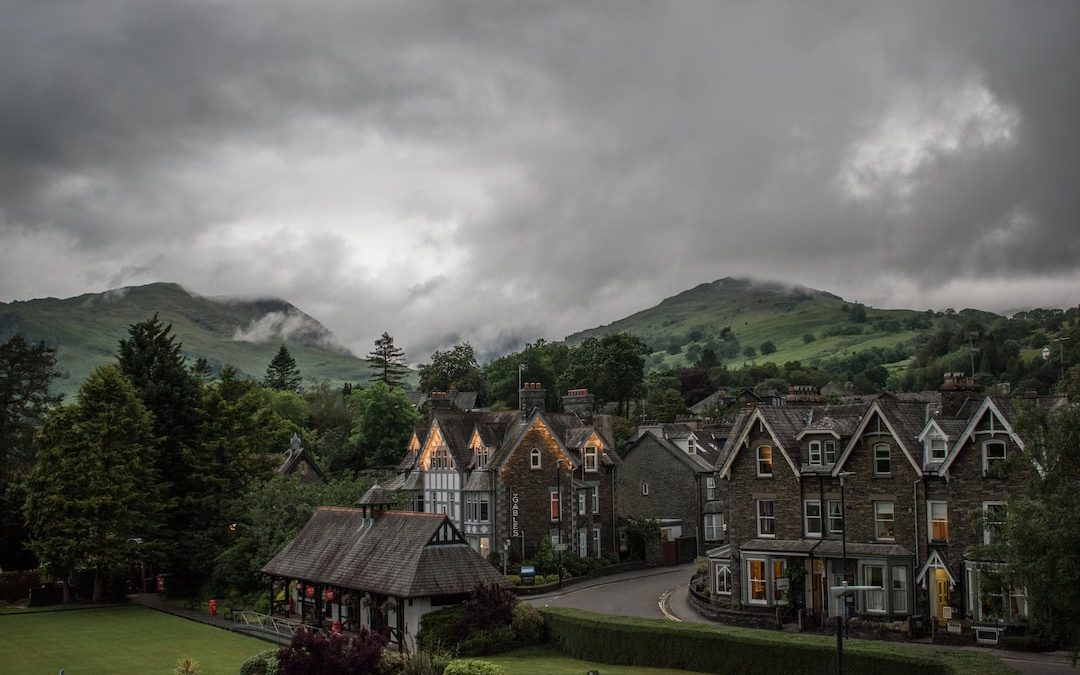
(661, 593)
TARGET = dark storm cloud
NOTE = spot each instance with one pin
(504, 171)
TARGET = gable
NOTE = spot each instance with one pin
(436, 451)
(757, 420)
(986, 423)
(875, 423)
(537, 425)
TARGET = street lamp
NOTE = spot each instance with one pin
(559, 546)
(841, 618)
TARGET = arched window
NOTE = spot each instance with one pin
(764, 460)
(534, 458)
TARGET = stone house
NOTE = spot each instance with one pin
(513, 478)
(296, 461)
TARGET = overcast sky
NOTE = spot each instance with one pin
(502, 171)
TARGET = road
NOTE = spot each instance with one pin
(660, 593)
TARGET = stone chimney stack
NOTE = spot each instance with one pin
(439, 401)
(532, 395)
(955, 390)
(804, 394)
(579, 402)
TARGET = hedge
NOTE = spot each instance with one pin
(743, 651)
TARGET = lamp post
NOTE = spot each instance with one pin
(841, 597)
(559, 546)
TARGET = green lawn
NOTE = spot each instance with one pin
(117, 640)
(546, 661)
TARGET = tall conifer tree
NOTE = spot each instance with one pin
(387, 360)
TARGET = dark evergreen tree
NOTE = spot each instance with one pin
(25, 374)
(282, 374)
(387, 360)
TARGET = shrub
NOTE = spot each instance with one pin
(425, 663)
(472, 667)
(313, 653)
(513, 579)
(491, 605)
(185, 665)
(263, 663)
(528, 624)
(438, 629)
(392, 663)
(488, 641)
(1031, 642)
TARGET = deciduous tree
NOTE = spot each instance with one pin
(383, 419)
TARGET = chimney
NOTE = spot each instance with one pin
(439, 401)
(579, 402)
(532, 395)
(804, 394)
(955, 390)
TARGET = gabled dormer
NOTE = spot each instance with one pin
(764, 453)
(874, 433)
(479, 450)
(819, 446)
(935, 445)
(436, 455)
(989, 431)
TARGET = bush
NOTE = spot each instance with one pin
(393, 663)
(1030, 642)
(425, 663)
(488, 641)
(528, 624)
(472, 667)
(513, 579)
(263, 663)
(438, 629)
(313, 653)
(729, 650)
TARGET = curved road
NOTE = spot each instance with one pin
(661, 593)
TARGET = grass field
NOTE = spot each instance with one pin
(545, 661)
(115, 641)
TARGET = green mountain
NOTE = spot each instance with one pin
(730, 315)
(244, 333)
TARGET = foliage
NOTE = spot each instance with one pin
(185, 665)
(383, 419)
(528, 624)
(25, 374)
(283, 374)
(639, 532)
(312, 653)
(439, 629)
(537, 362)
(422, 663)
(726, 649)
(664, 405)
(330, 423)
(455, 368)
(491, 640)
(472, 667)
(93, 496)
(767, 348)
(264, 663)
(491, 605)
(388, 361)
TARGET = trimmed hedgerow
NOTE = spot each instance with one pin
(730, 650)
(472, 667)
(263, 663)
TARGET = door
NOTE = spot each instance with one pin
(941, 594)
(818, 590)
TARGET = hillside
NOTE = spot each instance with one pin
(679, 328)
(244, 333)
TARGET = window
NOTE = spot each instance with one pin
(691, 446)
(714, 527)
(939, 520)
(723, 580)
(836, 517)
(766, 521)
(830, 452)
(710, 488)
(1018, 603)
(555, 512)
(756, 578)
(440, 459)
(812, 517)
(899, 590)
(815, 452)
(555, 536)
(882, 460)
(994, 514)
(884, 520)
(590, 458)
(764, 461)
(534, 458)
(482, 454)
(477, 507)
(596, 541)
(874, 575)
(596, 499)
(644, 488)
(936, 448)
(993, 458)
(581, 502)
(777, 574)
(485, 513)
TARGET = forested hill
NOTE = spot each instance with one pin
(244, 333)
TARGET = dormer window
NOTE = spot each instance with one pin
(764, 461)
(691, 447)
(534, 458)
(440, 459)
(590, 458)
(814, 449)
(936, 448)
(482, 454)
(830, 452)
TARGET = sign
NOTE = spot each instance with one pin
(560, 547)
(515, 529)
(783, 584)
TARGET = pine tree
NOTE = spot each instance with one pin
(25, 373)
(388, 360)
(93, 496)
(282, 374)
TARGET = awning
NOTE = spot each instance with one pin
(782, 546)
(833, 548)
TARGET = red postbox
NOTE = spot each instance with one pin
(335, 628)
(161, 583)
(213, 606)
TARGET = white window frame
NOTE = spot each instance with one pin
(814, 453)
(644, 488)
(930, 458)
(807, 518)
(596, 540)
(987, 528)
(555, 506)
(830, 452)
(869, 596)
(581, 502)
(879, 520)
(591, 465)
(839, 515)
(986, 459)
(596, 499)
(723, 579)
(764, 581)
(482, 455)
(898, 595)
(878, 458)
(763, 518)
(764, 461)
(714, 526)
(931, 519)
(710, 488)
(534, 458)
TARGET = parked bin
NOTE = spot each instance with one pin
(213, 606)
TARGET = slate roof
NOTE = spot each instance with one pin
(694, 462)
(908, 418)
(293, 456)
(393, 554)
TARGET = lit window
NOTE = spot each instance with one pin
(534, 458)
(764, 461)
(939, 521)
(555, 513)
(836, 517)
(714, 527)
(723, 580)
(884, 520)
(815, 452)
(756, 578)
(882, 459)
(766, 518)
(777, 574)
(993, 458)
(590, 458)
(812, 517)
(710, 488)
